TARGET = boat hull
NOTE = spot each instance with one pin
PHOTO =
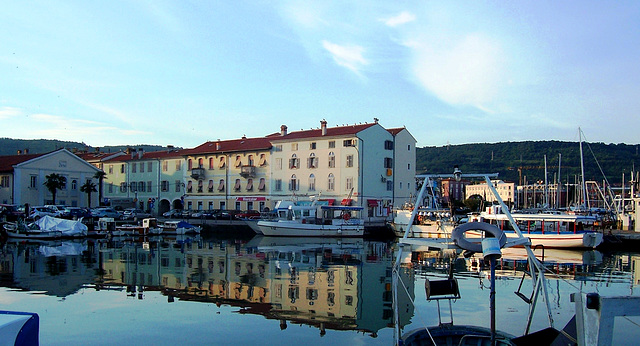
(588, 240)
(295, 229)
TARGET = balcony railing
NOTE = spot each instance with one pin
(248, 171)
(197, 173)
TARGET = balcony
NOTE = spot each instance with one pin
(197, 173)
(248, 171)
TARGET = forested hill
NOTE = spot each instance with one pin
(509, 158)
(9, 146)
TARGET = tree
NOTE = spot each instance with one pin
(54, 182)
(101, 176)
(89, 187)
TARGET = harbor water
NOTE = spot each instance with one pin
(208, 290)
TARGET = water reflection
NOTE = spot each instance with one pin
(327, 284)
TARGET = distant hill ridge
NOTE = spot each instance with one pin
(511, 160)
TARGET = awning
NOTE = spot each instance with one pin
(372, 202)
(221, 185)
(330, 201)
(262, 183)
(346, 201)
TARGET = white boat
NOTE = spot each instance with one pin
(47, 227)
(179, 227)
(292, 220)
(19, 328)
(551, 230)
(427, 223)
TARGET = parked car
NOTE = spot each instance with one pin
(105, 212)
(186, 213)
(58, 209)
(211, 214)
(75, 213)
(173, 213)
(134, 214)
(196, 214)
(248, 214)
(229, 214)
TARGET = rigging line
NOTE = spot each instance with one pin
(628, 319)
(597, 163)
(424, 323)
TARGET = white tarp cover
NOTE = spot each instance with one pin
(63, 249)
(69, 228)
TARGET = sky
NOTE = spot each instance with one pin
(185, 72)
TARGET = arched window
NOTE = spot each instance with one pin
(211, 163)
(263, 159)
(294, 162)
(332, 160)
(294, 185)
(189, 164)
(331, 182)
(238, 161)
(312, 182)
(250, 157)
(200, 163)
(312, 161)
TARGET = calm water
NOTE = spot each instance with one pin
(277, 290)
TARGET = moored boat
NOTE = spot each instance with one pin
(179, 227)
(313, 220)
(47, 227)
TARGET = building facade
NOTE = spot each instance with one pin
(506, 191)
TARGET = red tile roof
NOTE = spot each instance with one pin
(7, 162)
(161, 154)
(396, 130)
(314, 133)
(242, 144)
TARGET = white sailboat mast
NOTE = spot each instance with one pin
(584, 186)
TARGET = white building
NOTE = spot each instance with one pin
(505, 190)
(22, 178)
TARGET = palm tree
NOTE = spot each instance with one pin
(88, 188)
(101, 176)
(54, 182)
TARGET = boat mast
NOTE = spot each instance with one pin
(585, 198)
(559, 186)
(546, 184)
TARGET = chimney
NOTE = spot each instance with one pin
(140, 152)
(26, 151)
(323, 126)
(217, 145)
(283, 130)
(19, 152)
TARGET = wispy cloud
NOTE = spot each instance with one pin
(402, 18)
(350, 57)
(9, 112)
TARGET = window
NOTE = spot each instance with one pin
(332, 144)
(389, 185)
(122, 168)
(199, 205)
(200, 186)
(250, 158)
(141, 186)
(238, 205)
(211, 163)
(349, 160)
(262, 184)
(312, 182)
(249, 184)
(178, 183)
(210, 187)
(210, 205)
(277, 147)
(164, 186)
(388, 162)
(110, 187)
(294, 162)
(133, 187)
(278, 164)
(189, 187)
(200, 163)
(141, 167)
(408, 166)
(165, 166)
(312, 161)
(294, 185)
(236, 187)
(149, 167)
(110, 169)
(178, 165)
(238, 161)
(278, 185)
(221, 187)
(349, 143)
(312, 145)
(349, 185)
(189, 164)
(294, 146)
(332, 160)
(263, 160)
(331, 183)
(123, 187)
(222, 162)
(134, 167)
(388, 145)
(409, 147)
(32, 184)
(149, 186)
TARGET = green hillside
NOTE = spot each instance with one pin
(9, 146)
(509, 158)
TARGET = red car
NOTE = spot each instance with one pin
(247, 214)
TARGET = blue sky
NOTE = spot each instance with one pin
(182, 72)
